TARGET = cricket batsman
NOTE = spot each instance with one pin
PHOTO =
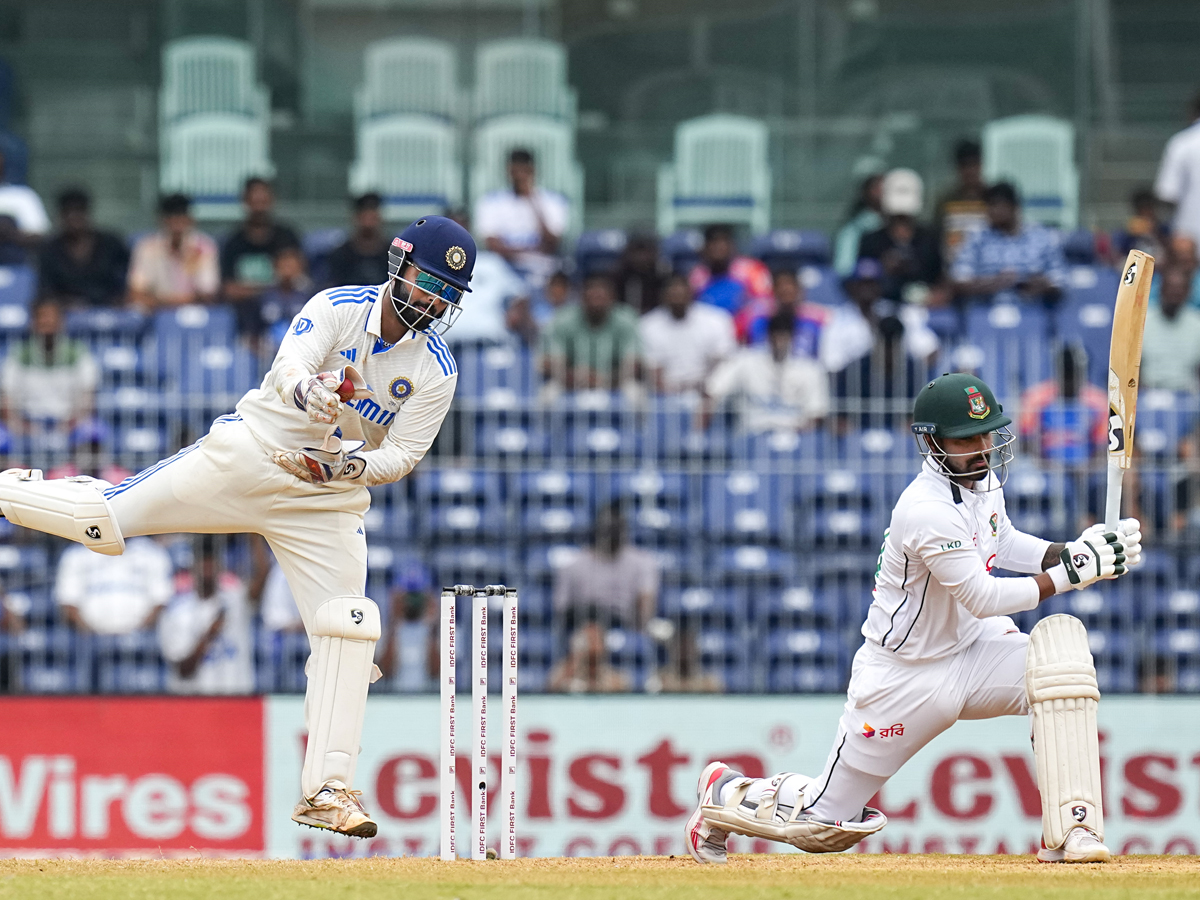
(940, 647)
(355, 397)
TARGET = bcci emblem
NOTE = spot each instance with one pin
(977, 406)
(456, 257)
(1079, 813)
(400, 388)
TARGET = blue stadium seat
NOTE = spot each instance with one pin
(728, 653)
(128, 663)
(822, 285)
(1084, 315)
(752, 563)
(681, 250)
(468, 564)
(499, 376)
(318, 245)
(796, 656)
(1013, 341)
(789, 248)
(797, 607)
(600, 251)
(706, 606)
(18, 285)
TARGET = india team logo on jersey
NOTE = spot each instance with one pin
(977, 406)
(400, 388)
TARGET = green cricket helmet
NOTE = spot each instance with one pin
(958, 405)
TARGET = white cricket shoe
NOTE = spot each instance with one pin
(336, 808)
(705, 842)
(1081, 846)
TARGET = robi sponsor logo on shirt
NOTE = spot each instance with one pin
(896, 730)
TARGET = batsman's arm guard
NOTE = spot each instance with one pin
(73, 508)
(766, 819)
(344, 631)
(1060, 684)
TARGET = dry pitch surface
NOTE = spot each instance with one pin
(818, 878)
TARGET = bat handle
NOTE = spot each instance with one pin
(1112, 500)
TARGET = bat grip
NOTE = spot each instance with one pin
(1112, 500)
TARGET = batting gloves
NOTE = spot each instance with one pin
(322, 395)
(1094, 556)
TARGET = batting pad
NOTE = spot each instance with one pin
(1060, 684)
(767, 819)
(73, 508)
(344, 633)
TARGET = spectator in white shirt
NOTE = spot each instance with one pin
(524, 224)
(495, 287)
(279, 611)
(683, 341)
(1178, 181)
(114, 594)
(205, 633)
(778, 389)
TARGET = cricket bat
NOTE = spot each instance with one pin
(1124, 367)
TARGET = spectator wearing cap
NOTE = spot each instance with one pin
(788, 297)
(865, 216)
(48, 379)
(409, 656)
(683, 340)
(1010, 256)
(961, 210)
(876, 348)
(774, 388)
(1178, 181)
(248, 257)
(206, 632)
(363, 258)
(177, 264)
(594, 344)
(524, 222)
(81, 265)
(907, 250)
(23, 219)
(725, 279)
(495, 288)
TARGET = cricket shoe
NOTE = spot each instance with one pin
(1081, 846)
(336, 808)
(706, 842)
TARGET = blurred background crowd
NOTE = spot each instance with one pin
(704, 301)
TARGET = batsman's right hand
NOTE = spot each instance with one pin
(1094, 556)
(322, 395)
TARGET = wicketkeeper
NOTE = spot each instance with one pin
(940, 647)
(355, 397)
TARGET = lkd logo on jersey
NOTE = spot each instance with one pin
(977, 406)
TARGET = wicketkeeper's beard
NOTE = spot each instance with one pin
(410, 315)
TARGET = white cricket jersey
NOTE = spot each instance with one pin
(413, 383)
(933, 584)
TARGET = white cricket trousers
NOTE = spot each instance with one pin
(894, 708)
(227, 483)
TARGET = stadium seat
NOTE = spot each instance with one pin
(720, 173)
(526, 76)
(409, 75)
(681, 250)
(1013, 343)
(204, 75)
(789, 248)
(18, 284)
(412, 160)
(600, 251)
(210, 156)
(1037, 154)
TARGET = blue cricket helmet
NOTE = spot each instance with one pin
(437, 246)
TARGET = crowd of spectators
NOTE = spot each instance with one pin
(729, 335)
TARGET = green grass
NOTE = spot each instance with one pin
(812, 878)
